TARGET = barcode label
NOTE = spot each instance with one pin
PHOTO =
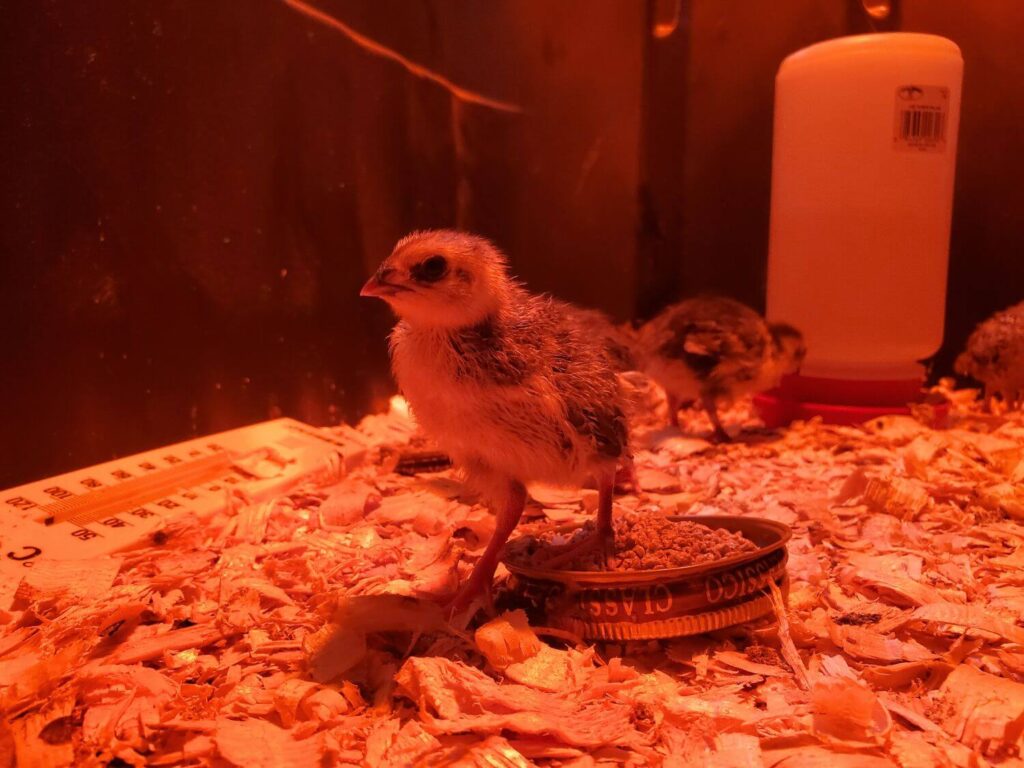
(921, 112)
(916, 124)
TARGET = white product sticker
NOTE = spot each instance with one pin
(921, 118)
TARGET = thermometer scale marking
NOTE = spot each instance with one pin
(136, 491)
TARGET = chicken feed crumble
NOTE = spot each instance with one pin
(642, 542)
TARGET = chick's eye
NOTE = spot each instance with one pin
(430, 270)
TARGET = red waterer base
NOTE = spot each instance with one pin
(841, 401)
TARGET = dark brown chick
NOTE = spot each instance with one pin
(511, 385)
(713, 350)
(995, 356)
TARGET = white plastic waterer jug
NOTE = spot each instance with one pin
(862, 193)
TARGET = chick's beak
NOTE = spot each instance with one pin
(373, 287)
(380, 287)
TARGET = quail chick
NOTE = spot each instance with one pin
(715, 349)
(511, 385)
(995, 356)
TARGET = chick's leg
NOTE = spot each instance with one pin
(605, 530)
(673, 409)
(480, 579)
(721, 436)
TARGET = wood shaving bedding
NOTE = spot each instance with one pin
(305, 630)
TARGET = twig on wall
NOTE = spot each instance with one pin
(377, 49)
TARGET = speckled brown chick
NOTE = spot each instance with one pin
(714, 349)
(995, 356)
(513, 386)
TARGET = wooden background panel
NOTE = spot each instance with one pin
(193, 194)
(555, 184)
(734, 55)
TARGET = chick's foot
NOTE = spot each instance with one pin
(575, 550)
(602, 538)
(474, 594)
(719, 435)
